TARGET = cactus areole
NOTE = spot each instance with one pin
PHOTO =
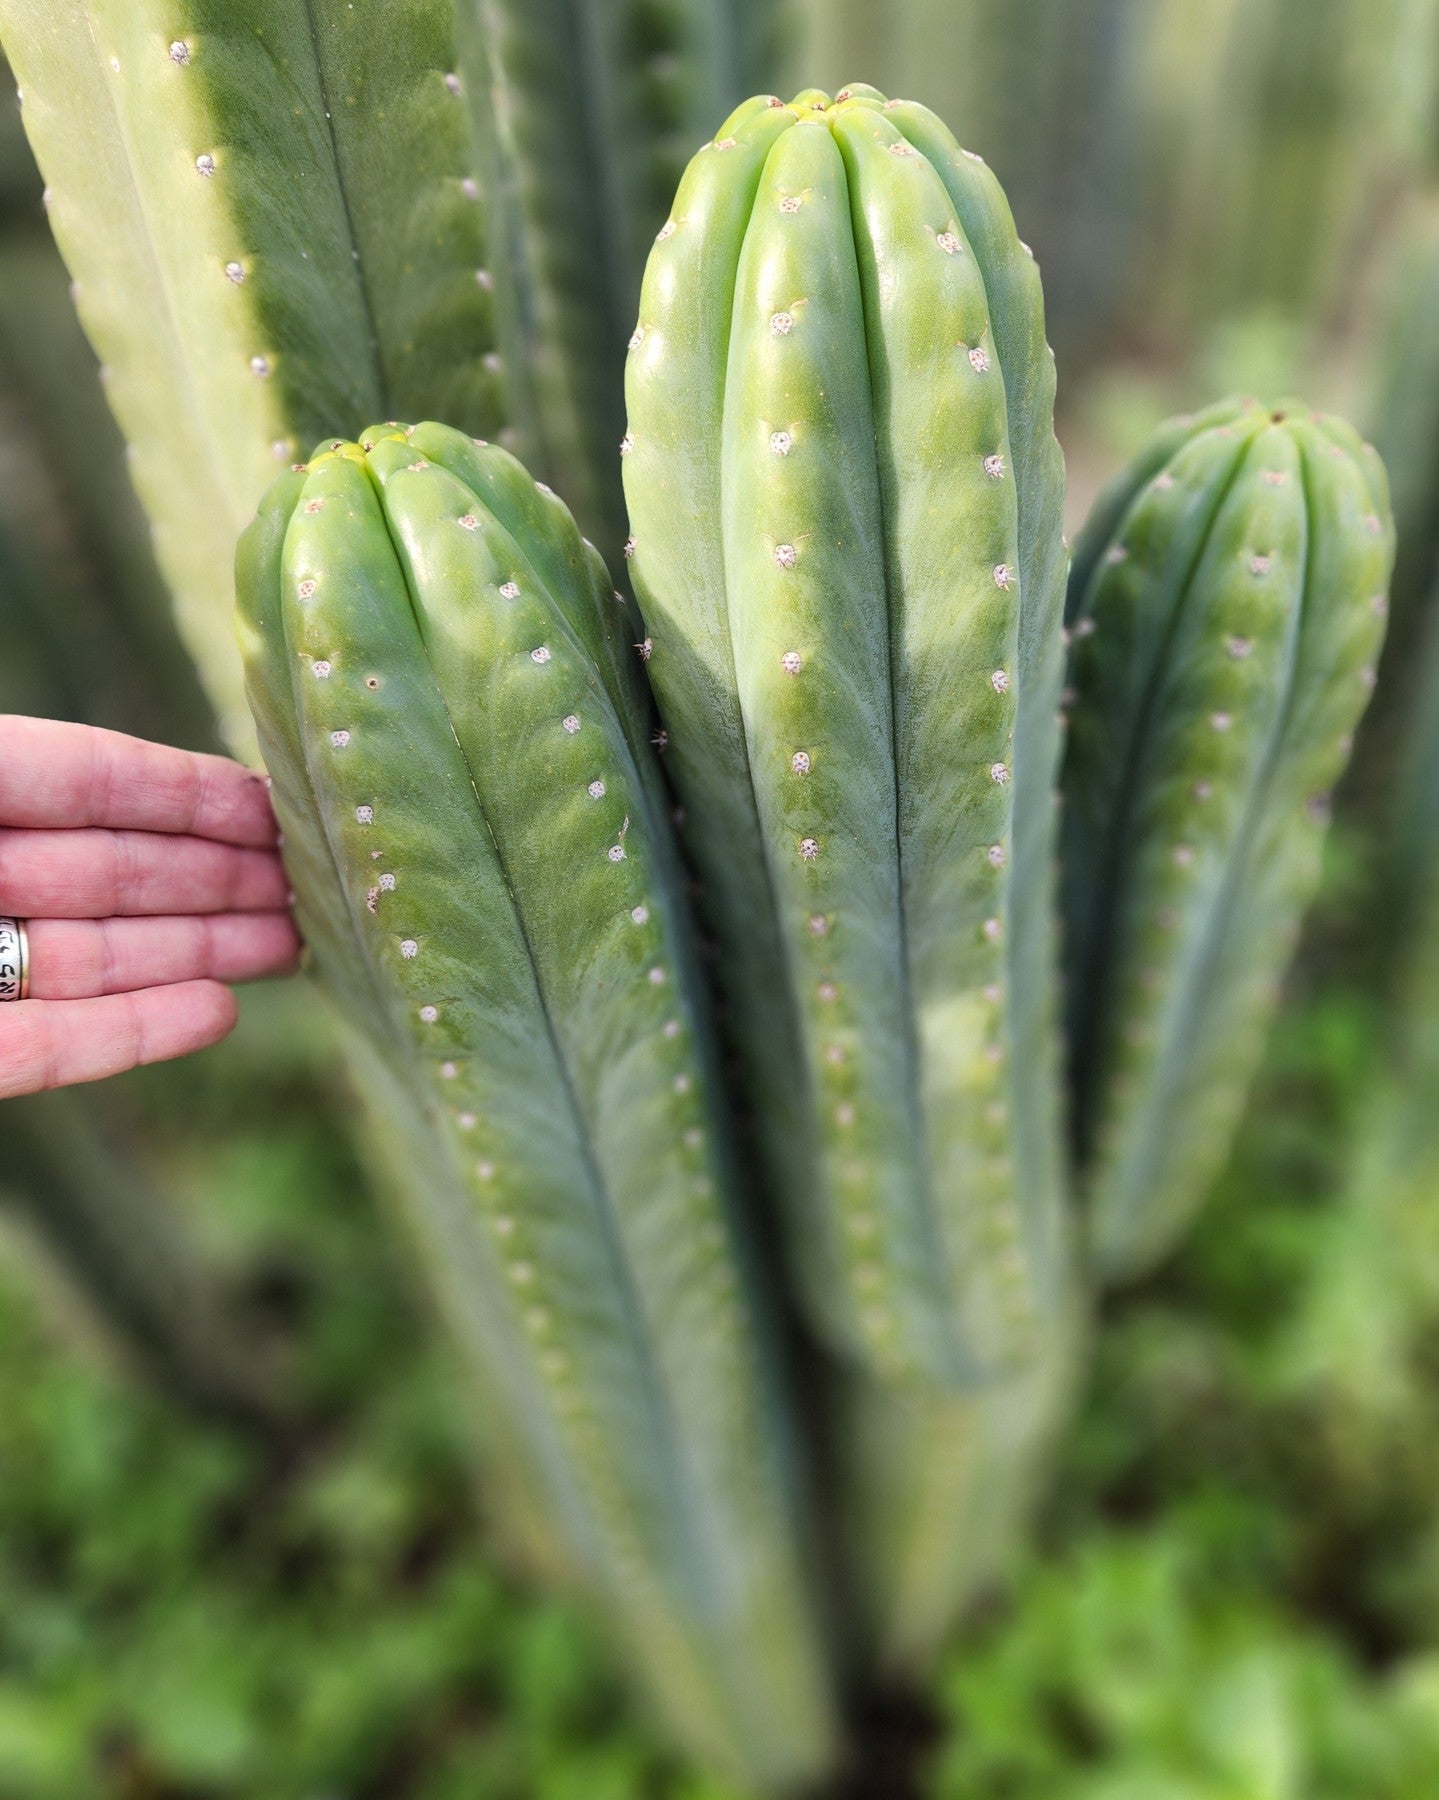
(845, 496)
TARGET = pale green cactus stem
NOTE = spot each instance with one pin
(273, 219)
(447, 701)
(1227, 609)
(585, 114)
(845, 497)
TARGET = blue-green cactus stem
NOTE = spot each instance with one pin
(844, 494)
(444, 714)
(1226, 626)
(272, 215)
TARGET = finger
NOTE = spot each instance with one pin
(78, 959)
(54, 774)
(55, 1043)
(96, 874)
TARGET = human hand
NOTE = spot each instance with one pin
(148, 877)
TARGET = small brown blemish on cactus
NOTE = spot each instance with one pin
(372, 682)
(994, 467)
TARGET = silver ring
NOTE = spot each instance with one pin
(14, 960)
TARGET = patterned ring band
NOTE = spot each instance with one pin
(14, 960)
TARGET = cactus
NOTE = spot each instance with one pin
(845, 501)
(1227, 606)
(584, 116)
(256, 261)
(455, 725)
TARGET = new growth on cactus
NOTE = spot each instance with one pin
(844, 491)
(457, 732)
(1227, 609)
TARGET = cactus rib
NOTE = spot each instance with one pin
(1226, 622)
(430, 694)
(827, 621)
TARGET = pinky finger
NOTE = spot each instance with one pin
(57, 1043)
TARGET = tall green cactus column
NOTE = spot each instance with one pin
(273, 220)
(452, 714)
(845, 497)
(585, 112)
(1227, 608)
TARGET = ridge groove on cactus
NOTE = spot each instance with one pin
(442, 680)
(1227, 611)
(844, 492)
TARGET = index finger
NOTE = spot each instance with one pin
(60, 775)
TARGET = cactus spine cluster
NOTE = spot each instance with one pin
(255, 263)
(454, 719)
(1227, 609)
(845, 492)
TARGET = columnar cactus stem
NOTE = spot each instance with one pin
(845, 496)
(478, 841)
(1227, 608)
(256, 261)
(585, 113)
